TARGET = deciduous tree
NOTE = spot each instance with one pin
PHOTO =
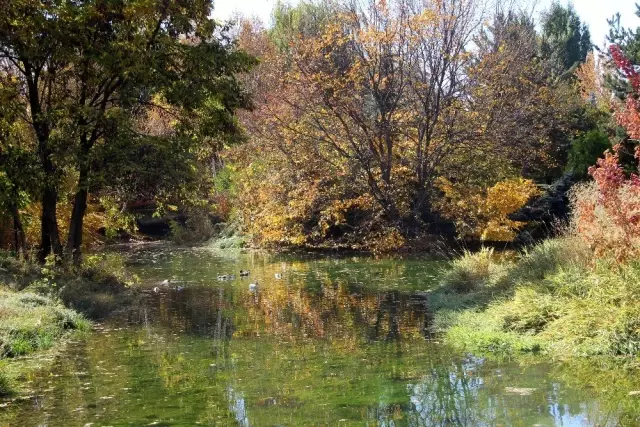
(89, 68)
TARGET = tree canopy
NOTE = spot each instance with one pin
(92, 73)
(368, 124)
(366, 106)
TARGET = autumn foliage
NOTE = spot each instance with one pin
(363, 110)
(484, 213)
(607, 211)
(628, 116)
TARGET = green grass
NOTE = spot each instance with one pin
(96, 288)
(474, 272)
(31, 323)
(17, 273)
(554, 299)
(6, 386)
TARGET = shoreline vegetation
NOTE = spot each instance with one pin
(554, 300)
(571, 296)
(41, 307)
(32, 326)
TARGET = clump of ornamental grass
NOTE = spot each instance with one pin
(31, 322)
(471, 282)
(601, 314)
(96, 288)
(6, 386)
(474, 271)
(17, 272)
(477, 332)
(548, 257)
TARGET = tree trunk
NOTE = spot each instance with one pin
(74, 240)
(50, 234)
(422, 203)
(45, 240)
(18, 231)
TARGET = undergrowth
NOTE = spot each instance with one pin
(229, 236)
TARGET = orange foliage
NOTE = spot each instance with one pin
(591, 83)
(629, 118)
(607, 212)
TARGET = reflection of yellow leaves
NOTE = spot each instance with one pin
(271, 314)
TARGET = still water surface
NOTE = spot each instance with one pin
(330, 342)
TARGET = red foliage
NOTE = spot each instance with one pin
(607, 213)
(608, 216)
(629, 115)
(625, 66)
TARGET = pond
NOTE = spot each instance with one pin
(318, 341)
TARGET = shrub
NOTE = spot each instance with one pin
(485, 212)
(197, 228)
(387, 241)
(607, 211)
(229, 236)
(586, 150)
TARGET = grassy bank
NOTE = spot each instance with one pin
(554, 299)
(41, 305)
(96, 288)
(30, 323)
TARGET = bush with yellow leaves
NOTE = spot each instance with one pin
(484, 212)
